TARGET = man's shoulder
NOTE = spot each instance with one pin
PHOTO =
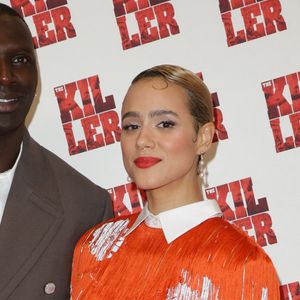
(45, 170)
(57, 165)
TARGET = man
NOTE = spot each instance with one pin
(45, 205)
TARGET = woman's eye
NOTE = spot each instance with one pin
(20, 60)
(130, 127)
(166, 124)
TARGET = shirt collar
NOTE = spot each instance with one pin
(177, 221)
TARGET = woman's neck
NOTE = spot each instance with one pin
(172, 196)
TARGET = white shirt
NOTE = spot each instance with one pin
(177, 221)
(6, 179)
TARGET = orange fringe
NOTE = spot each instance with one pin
(214, 260)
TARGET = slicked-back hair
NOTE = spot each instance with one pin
(199, 97)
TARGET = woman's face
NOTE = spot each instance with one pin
(159, 144)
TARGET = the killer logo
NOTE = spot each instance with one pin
(82, 105)
(155, 20)
(238, 204)
(259, 17)
(290, 291)
(283, 102)
(127, 199)
(51, 18)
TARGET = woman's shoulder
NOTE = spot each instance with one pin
(221, 228)
(230, 241)
(241, 255)
(110, 226)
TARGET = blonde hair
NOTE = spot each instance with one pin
(199, 98)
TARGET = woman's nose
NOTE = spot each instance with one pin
(145, 139)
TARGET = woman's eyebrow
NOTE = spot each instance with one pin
(133, 114)
(152, 114)
(160, 112)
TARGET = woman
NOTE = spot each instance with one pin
(178, 247)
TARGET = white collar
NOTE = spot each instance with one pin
(177, 221)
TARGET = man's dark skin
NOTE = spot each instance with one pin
(18, 81)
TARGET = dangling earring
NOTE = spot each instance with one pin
(202, 171)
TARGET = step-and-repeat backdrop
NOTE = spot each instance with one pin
(246, 51)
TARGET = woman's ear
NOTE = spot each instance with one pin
(205, 137)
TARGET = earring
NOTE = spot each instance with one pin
(202, 171)
(129, 179)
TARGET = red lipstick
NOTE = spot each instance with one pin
(144, 162)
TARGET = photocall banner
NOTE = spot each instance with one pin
(246, 51)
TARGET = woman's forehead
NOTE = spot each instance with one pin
(156, 88)
(154, 95)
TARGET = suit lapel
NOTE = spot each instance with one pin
(32, 216)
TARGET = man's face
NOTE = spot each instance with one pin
(18, 73)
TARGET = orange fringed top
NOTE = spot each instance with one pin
(213, 261)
